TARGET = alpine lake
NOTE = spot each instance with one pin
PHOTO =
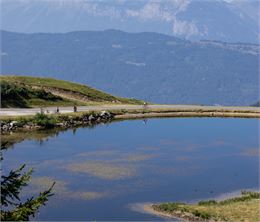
(109, 171)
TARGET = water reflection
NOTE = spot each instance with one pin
(112, 166)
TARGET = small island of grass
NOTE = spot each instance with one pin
(243, 208)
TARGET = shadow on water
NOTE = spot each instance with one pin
(9, 139)
(14, 137)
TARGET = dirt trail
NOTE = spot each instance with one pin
(150, 110)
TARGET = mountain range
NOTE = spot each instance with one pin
(229, 21)
(149, 66)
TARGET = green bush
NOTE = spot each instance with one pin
(12, 95)
(246, 196)
(207, 202)
(12, 91)
(170, 206)
(201, 214)
(44, 120)
(45, 95)
(19, 95)
(252, 194)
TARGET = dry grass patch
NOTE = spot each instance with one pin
(243, 208)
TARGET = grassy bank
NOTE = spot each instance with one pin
(16, 95)
(25, 91)
(44, 121)
(243, 208)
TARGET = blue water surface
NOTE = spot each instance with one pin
(104, 172)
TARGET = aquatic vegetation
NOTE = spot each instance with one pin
(150, 148)
(39, 183)
(183, 158)
(99, 153)
(90, 195)
(136, 173)
(62, 189)
(103, 170)
(254, 152)
(139, 157)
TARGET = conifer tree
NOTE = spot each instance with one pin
(12, 208)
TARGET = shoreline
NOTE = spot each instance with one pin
(139, 111)
(179, 214)
(103, 114)
(148, 208)
(186, 114)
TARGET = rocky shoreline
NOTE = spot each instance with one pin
(95, 117)
(62, 121)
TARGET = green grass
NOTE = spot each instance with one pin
(47, 120)
(17, 95)
(44, 120)
(90, 93)
(243, 208)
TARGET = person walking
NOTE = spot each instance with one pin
(75, 108)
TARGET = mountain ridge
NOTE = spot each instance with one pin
(190, 19)
(148, 66)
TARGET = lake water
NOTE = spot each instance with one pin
(103, 172)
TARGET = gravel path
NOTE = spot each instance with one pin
(173, 108)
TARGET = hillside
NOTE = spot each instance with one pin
(24, 91)
(147, 66)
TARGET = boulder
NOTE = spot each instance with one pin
(85, 118)
(105, 114)
(91, 118)
(5, 127)
(12, 125)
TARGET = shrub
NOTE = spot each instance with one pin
(246, 196)
(207, 202)
(201, 214)
(12, 91)
(44, 120)
(12, 95)
(46, 95)
(253, 195)
(170, 206)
